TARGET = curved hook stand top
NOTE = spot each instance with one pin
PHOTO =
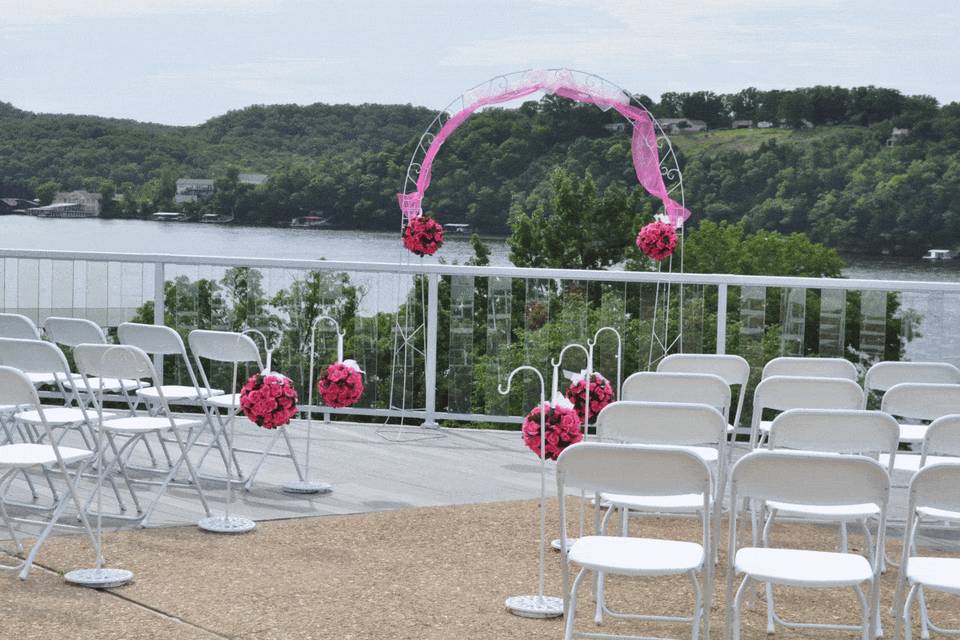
(619, 355)
(555, 381)
(268, 347)
(336, 327)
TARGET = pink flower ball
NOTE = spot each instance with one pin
(423, 236)
(340, 385)
(657, 240)
(259, 400)
(562, 428)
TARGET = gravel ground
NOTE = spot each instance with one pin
(429, 573)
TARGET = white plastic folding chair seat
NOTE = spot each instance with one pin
(913, 432)
(140, 424)
(110, 385)
(41, 379)
(765, 426)
(941, 574)
(683, 503)
(802, 567)
(26, 454)
(850, 512)
(636, 556)
(56, 415)
(177, 392)
(939, 514)
(910, 463)
(224, 400)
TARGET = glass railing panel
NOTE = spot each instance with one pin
(61, 287)
(833, 321)
(459, 382)
(499, 336)
(873, 326)
(793, 314)
(753, 307)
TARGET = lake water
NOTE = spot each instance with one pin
(940, 337)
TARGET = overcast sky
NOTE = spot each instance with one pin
(184, 61)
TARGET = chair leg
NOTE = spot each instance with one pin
(57, 512)
(598, 614)
(697, 605)
(866, 613)
(734, 612)
(907, 619)
(924, 614)
(572, 607)
(6, 517)
(844, 544)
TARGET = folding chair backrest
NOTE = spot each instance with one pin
(733, 369)
(73, 331)
(14, 325)
(224, 346)
(822, 479)
(631, 469)
(811, 368)
(152, 338)
(835, 431)
(697, 388)
(943, 437)
(16, 389)
(936, 486)
(789, 392)
(883, 375)
(33, 356)
(661, 423)
(113, 361)
(921, 401)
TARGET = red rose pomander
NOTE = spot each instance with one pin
(562, 429)
(423, 236)
(268, 400)
(601, 393)
(341, 385)
(657, 240)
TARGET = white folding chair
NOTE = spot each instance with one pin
(105, 361)
(691, 388)
(604, 468)
(883, 375)
(919, 403)
(697, 428)
(17, 390)
(20, 327)
(811, 368)
(934, 489)
(781, 393)
(163, 341)
(941, 443)
(69, 332)
(39, 357)
(734, 370)
(235, 349)
(822, 479)
(871, 433)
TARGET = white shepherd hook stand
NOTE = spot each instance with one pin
(228, 523)
(99, 577)
(539, 605)
(591, 345)
(308, 486)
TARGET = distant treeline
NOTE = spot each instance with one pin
(846, 182)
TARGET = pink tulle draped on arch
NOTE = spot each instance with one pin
(646, 157)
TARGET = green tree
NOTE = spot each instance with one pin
(46, 191)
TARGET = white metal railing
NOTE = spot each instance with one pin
(49, 265)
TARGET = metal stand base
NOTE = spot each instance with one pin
(99, 578)
(535, 606)
(555, 543)
(224, 524)
(307, 486)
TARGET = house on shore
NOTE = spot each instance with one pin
(70, 204)
(682, 125)
(193, 189)
(16, 205)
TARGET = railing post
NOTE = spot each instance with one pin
(722, 318)
(159, 309)
(433, 302)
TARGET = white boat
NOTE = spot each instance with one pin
(457, 227)
(938, 254)
(309, 222)
(169, 216)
